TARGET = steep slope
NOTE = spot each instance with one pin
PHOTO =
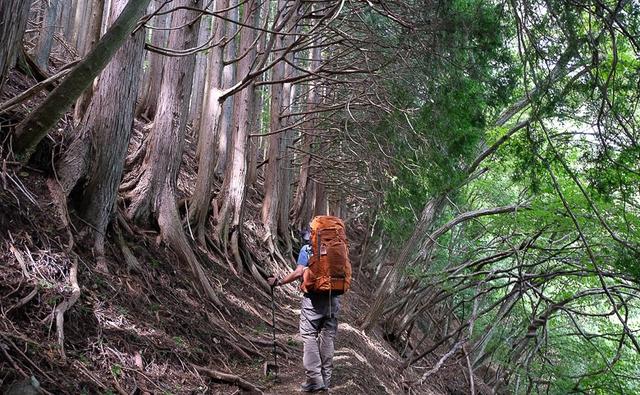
(146, 328)
(140, 325)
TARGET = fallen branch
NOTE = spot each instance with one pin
(29, 93)
(229, 378)
(24, 357)
(20, 259)
(24, 300)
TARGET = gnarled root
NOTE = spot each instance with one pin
(173, 234)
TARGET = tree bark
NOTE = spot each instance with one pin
(259, 103)
(154, 197)
(290, 92)
(320, 207)
(228, 80)
(280, 99)
(94, 30)
(209, 126)
(82, 15)
(274, 156)
(199, 76)
(229, 226)
(153, 74)
(254, 152)
(47, 30)
(95, 158)
(13, 22)
(304, 197)
(33, 128)
(67, 16)
(302, 190)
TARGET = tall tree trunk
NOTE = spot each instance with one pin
(229, 72)
(229, 226)
(13, 22)
(274, 155)
(320, 207)
(302, 190)
(153, 74)
(94, 31)
(335, 206)
(79, 25)
(154, 197)
(67, 16)
(209, 125)
(199, 76)
(280, 99)
(286, 164)
(308, 206)
(33, 128)
(254, 143)
(106, 11)
(95, 158)
(47, 30)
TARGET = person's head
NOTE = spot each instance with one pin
(306, 235)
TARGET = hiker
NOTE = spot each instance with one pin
(319, 309)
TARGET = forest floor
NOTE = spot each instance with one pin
(146, 329)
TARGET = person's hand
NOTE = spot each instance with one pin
(273, 281)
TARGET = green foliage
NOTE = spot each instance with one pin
(180, 342)
(116, 370)
(569, 258)
(443, 108)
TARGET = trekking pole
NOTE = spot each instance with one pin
(271, 369)
(273, 318)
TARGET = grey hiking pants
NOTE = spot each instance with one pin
(318, 326)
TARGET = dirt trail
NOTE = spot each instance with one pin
(362, 364)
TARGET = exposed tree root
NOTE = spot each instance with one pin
(173, 234)
(229, 378)
(59, 197)
(23, 357)
(67, 304)
(129, 258)
(213, 246)
(254, 270)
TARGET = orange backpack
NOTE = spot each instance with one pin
(329, 268)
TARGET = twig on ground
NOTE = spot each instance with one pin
(13, 363)
(20, 258)
(22, 355)
(82, 369)
(24, 300)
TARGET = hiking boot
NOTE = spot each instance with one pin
(308, 387)
(327, 383)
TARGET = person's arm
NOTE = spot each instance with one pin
(303, 261)
(293, 276)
